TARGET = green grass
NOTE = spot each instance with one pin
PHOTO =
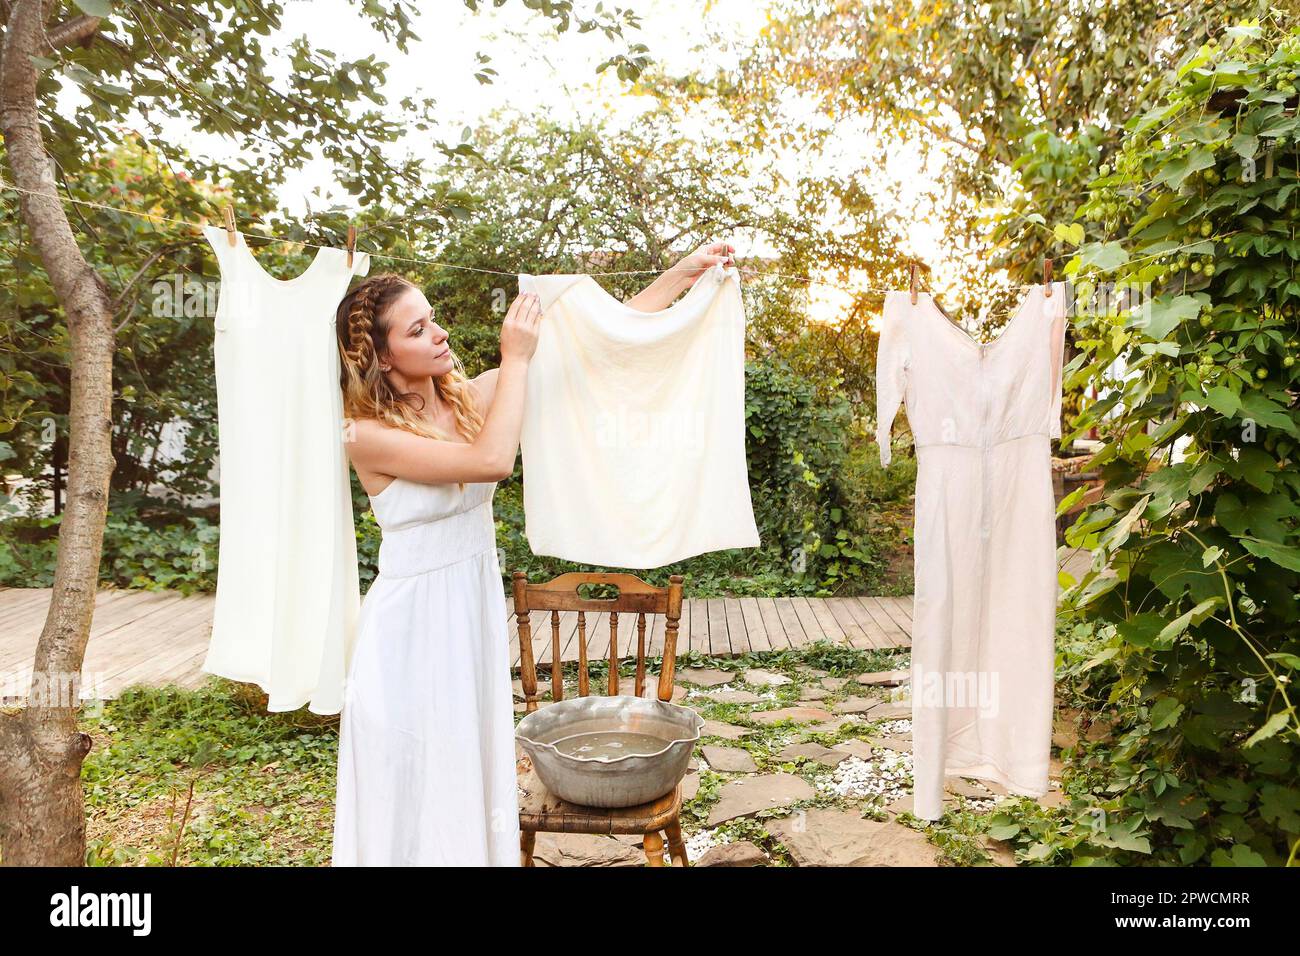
(207, 777)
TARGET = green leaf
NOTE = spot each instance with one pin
(1072, 233)
(1267, 413)
(1271, 727)
(1245, 145)
(1141, 630)
(1070, 500)
(1101, 658)
(1240, 855)
(1103, 256)
(1280, 805)
(1117, 836)
(1183, 621)
(1223, 400)
(1165, 713)
(1174, 173)
(1284, 555)
(1164, 314)
(1257, 467)
(96, 8)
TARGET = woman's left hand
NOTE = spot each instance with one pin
(703, 259)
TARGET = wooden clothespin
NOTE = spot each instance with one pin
(1047, 278)
(229, 212)
(352, 243)
(915, 283)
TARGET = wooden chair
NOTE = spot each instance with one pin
(539, 810)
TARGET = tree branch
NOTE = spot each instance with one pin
(79, 30)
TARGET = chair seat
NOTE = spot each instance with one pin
(543, 812)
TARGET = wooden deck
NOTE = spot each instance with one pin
(160, 637)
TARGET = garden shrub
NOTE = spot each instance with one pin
(1197, 648)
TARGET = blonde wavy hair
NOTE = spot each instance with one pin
(362, 329)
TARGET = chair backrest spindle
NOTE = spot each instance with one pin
(557, 662)
(613, 653)
(562, 594)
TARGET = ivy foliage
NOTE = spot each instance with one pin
(1196, 542)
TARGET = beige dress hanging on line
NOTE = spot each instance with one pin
(983, 416)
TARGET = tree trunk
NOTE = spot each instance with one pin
(42, 816)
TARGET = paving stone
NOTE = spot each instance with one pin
(897, 744)
(892, 710)
(748, 795)
(729, 759)
(833, 726)
(801, 715)
(853, 747)
(733, 697)
(761, 678)
(962, 787)
(1053, 799)
(812, 751)
(1000, 853)
(832, 837)
(856, 705)
(884, 678)
(740, 853)
(834, 683)
(814, 671)
(584, 849)
(705, 676)
(995, 788)
(716, 728)
(905, 805)
(690, 786)
(812, 692)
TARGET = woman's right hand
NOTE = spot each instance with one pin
(519, 330)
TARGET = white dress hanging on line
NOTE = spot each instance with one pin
(426, 773)
(287, 589)
(983, 653)
(633, 437)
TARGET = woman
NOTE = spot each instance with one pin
(426, 771)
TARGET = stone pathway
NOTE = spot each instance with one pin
(802, 766)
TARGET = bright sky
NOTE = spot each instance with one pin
(545, 72)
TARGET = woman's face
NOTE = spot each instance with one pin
(417, 345)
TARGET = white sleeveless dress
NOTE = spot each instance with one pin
(426, 772)
(287, 589)
(983, 650)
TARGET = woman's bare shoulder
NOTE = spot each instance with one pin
(365, 430)
(364, 438)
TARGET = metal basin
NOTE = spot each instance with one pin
(624, 781)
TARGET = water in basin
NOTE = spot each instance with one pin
(609, 744)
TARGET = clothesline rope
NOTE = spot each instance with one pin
(452, 265)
